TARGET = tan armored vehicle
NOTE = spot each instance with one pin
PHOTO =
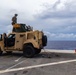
(23, 38)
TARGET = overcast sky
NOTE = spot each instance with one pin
(57, 18)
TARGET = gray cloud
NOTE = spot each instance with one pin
(59, 23)
(58, 14)
(56, 3)
(52, 11)
(60, 36)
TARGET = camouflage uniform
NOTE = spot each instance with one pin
(14, 19)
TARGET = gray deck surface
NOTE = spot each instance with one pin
(16, 61)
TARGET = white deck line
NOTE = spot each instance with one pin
(58, 51)
(18, 59)
(15, 65)
(36, 66)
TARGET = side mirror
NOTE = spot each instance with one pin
(0, 37)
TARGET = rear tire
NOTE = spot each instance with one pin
(28, 51)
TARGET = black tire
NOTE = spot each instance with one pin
(28, 51)
(1, 52)
(37, 51)
(9, 52)
(44, 40)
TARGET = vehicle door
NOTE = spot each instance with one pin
(11, 40)
(19, 41)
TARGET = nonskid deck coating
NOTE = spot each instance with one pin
(8, 61)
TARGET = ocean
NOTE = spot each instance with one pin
(61, 45)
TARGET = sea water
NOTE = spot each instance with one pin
(62, 45)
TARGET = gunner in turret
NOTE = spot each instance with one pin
(14, 19)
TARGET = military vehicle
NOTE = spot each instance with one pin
(23, 38)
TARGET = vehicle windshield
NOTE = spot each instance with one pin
(0, 37)
(11, 36)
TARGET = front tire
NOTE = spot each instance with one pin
(28, 51)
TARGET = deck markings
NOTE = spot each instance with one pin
(36, 66)
(15, 65)
(18, 59)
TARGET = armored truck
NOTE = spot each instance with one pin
(23, 38)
